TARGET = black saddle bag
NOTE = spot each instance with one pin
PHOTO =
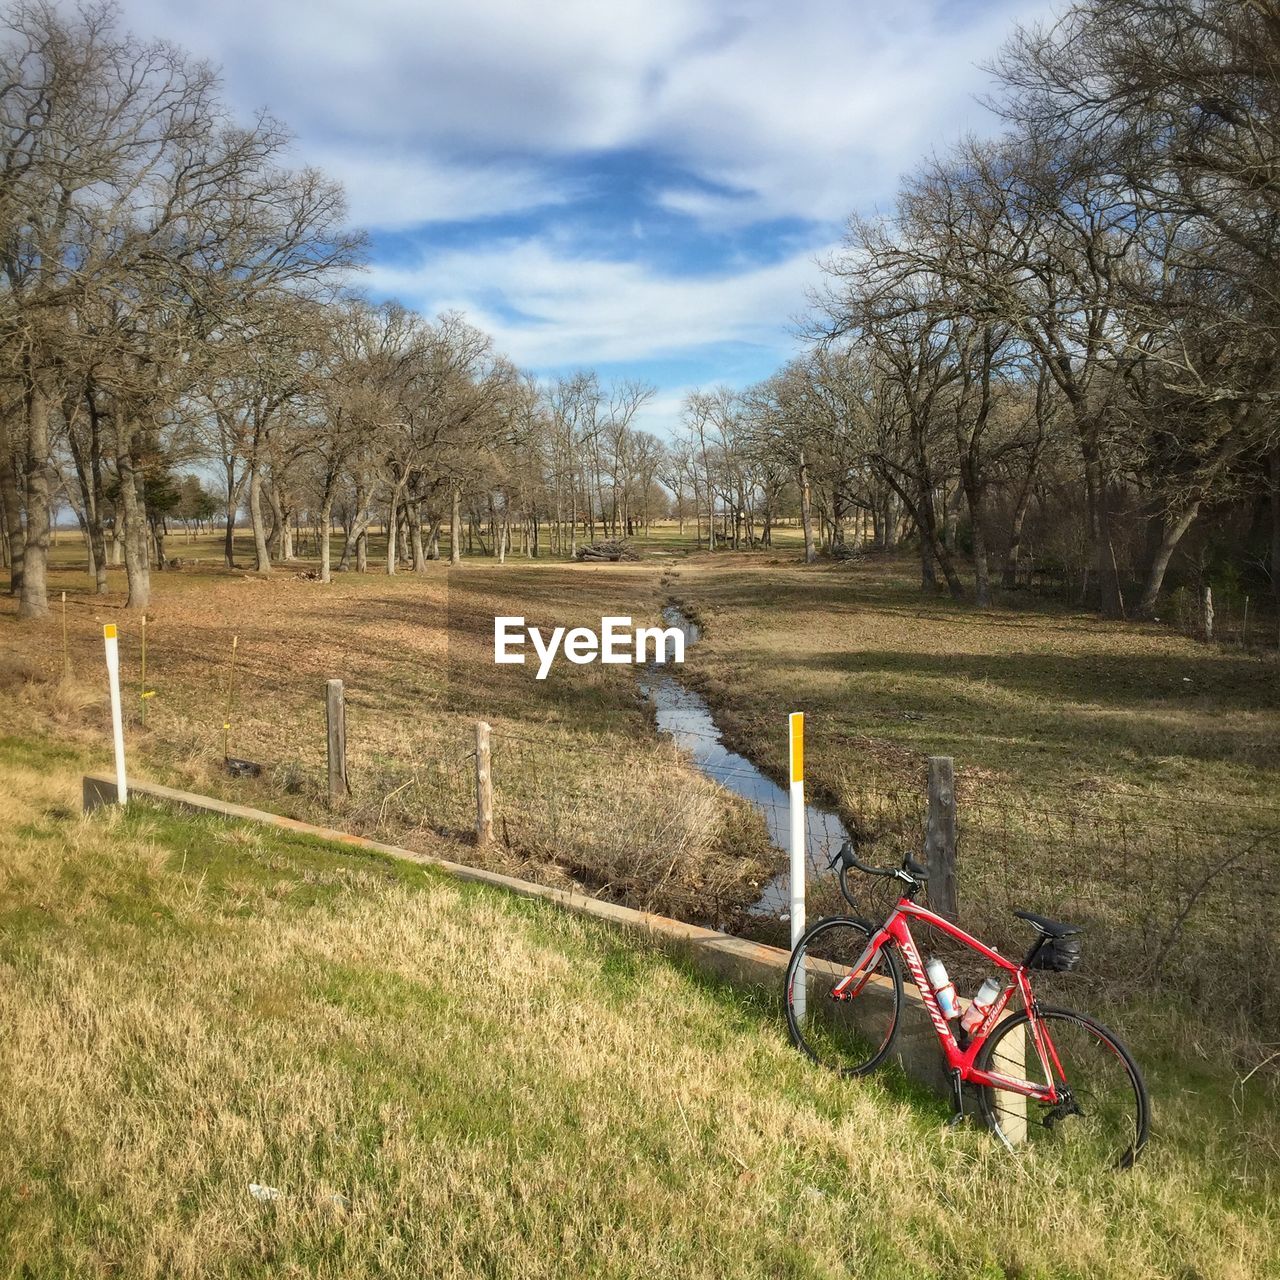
(1061, 955)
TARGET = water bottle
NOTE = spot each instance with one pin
(980, 1005)
(943, 988)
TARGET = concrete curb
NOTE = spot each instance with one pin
(736, 960)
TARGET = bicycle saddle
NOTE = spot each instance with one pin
(1050, 928)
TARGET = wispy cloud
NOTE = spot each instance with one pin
(804, 108)
(394, 189)
(631, 181)
(550, 309)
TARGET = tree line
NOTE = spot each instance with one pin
(1053, 359)
(173, 294)
(1059, 348)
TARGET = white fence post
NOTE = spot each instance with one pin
(117, 719)
(798, 853)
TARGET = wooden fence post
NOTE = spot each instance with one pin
(336, 715)
(484, 786)
(1206, 605)
(940, 837)
(1010, 1058)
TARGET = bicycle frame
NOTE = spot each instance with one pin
(961, 1060)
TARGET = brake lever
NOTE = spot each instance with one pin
(845, 856)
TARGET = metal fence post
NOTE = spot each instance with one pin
(336, 717)
(940, 837)
(484, 786)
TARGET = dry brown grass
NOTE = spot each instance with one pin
(593, 799)
(1029, 698)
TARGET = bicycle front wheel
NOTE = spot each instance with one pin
(1103, 1113)
(847, 1026)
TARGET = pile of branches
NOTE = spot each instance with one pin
(614, 550)
(846, 551)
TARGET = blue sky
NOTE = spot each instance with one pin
(639, 186)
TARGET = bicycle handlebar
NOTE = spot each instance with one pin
(911, 873)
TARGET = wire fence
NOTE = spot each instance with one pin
(640, 827)
(1178, 896)
(1183, 899)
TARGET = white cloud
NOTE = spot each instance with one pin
(809, 108)
(394, 190)
(573, 310)
(661, 415)
(432, 110)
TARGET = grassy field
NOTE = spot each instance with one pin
(1031, 696)
(441, 1080)
(1106, 770)
(1102, 766)
(416, 655)
(1118, 774)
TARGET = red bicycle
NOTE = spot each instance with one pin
(1043, 1075)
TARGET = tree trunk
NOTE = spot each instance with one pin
(1274, 467)
(234, 489)
(975, 496)
(137, 559)
(1173, 531)
(33, 597)
(12, 504)
(455, 526)
(928, 570)
(5, 561)
(414, 512)
(926, 522)
(326, 521)
(950, 517)
(359, 523)
(393, 522)
(1101, 548)
(279, 523)
(889, 523)
(806, 512)
(261, 552)
(1009, 577)
(88, 464)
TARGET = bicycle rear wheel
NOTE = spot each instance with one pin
(851, 1031)
(1104, 1115)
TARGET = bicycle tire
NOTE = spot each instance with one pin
(822, 938)
(1004, 1119)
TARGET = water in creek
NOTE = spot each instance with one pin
(684, 715)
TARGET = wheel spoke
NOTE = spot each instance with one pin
(846, 1025)
(1102, 1112)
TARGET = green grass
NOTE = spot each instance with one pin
(444, 1080)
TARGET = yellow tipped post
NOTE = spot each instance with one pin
(111, 644)
(797, 851)
(231, 688)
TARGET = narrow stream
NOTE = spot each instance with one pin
(684, 715)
